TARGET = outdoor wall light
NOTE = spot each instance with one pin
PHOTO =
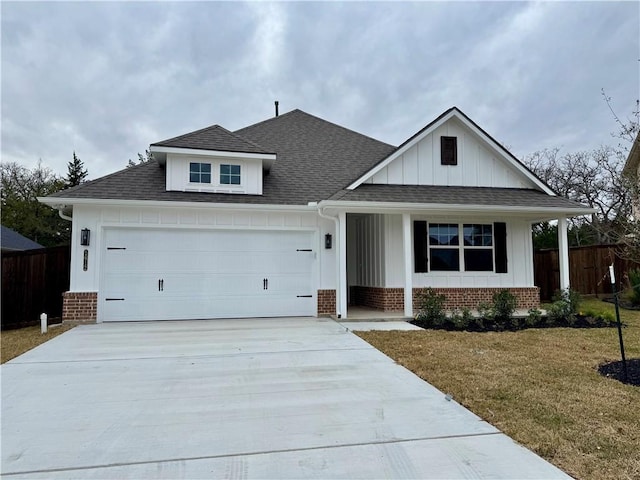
(327, 240)
(85, 234)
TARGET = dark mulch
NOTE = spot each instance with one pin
(514, 324)
(622, 303)
(615, 370)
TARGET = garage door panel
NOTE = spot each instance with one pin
(207, 274)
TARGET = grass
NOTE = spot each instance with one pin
(539, 386)
(16, 342)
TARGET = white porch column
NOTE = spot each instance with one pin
(342, 265)
(408, 270)
(563, 253)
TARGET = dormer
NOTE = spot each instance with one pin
(213, 160)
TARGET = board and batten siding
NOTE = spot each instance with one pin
(478, 165)
(97, 219)
(519, 259)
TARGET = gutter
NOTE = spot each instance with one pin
(337, 224)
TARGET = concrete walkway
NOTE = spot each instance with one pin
(254, 398)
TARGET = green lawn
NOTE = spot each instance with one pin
(540, 386)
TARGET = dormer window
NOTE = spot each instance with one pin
(199, 172)
(448, 151)
(229, 174)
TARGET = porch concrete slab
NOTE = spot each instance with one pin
(276, 398)
(386, 326)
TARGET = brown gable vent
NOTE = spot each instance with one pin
(448, 150)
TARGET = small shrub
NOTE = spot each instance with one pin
(559, 310)
(504, 304)
(634, 283)
(565, 306)
(485, 311)
(534, 317)
(431, 308)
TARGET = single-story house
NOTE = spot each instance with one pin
(12, 241)
(298, 216)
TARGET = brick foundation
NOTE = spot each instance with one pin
(387, 299)
(392, 299)
(326, 302)
(79, 307)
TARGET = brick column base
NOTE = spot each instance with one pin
(387, 299)
(326, 302)
(79, 307)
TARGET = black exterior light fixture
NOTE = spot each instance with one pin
(327, 241)
(85, 235)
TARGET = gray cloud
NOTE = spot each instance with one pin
(107, 79)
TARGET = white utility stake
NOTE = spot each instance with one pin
(43, 323)
(612, 274)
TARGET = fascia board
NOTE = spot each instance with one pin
(397, 207)
(60, 201)
(212, 153)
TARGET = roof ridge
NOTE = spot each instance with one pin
(215, 125)
(297, 110)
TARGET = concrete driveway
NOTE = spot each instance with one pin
(254, 398)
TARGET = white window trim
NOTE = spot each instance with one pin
(461, 247)
(215, 186)
(199, 183)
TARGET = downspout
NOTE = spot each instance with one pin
(63, 216)
(338, 279)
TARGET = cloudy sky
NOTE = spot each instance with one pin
(108, 79)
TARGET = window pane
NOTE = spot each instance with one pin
(443, 234)
(194, 177)
(205, 167)
(225, 180)
(445, 259)
(235, 169)
(224, 169)
(205, 178)
(477, 235)
(235, 180)
(478, 260)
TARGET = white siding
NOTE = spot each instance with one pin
(367, 239)
(479, 165)
(98, 218)
(519, 256)
(177, 173)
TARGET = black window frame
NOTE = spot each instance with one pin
(448, 150)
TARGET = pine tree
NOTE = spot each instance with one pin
(76, 173)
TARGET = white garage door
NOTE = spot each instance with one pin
(192, 274)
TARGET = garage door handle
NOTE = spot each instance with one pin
(161, 285)
(265, 283)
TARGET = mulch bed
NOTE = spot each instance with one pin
(615, 370)
(515, 324)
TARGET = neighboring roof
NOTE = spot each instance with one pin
(214, 137)
(631, 166)
(461, 116)
(12, 240)
(316, 158)
(446, 195)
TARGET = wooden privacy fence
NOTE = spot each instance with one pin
(32, 283)
(588, 270)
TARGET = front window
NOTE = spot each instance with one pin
(446, 251)
(229, 174)
(199, 172)
(478, 247)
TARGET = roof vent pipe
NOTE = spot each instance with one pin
(276, 102)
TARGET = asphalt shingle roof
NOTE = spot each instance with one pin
(316, 160)
(12, 240)
(436, 194)
(214, 137)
